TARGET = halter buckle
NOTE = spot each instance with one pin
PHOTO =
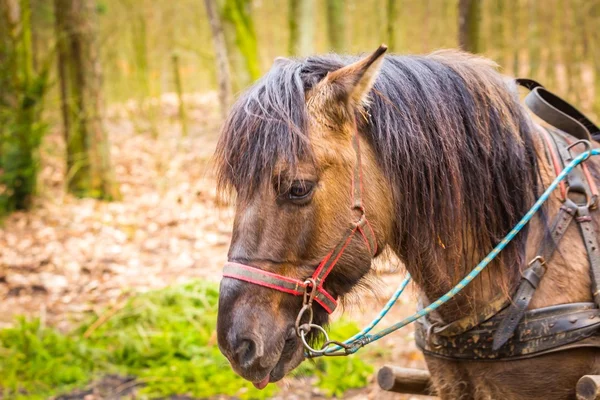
(310, 291)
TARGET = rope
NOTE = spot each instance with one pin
(363, 337)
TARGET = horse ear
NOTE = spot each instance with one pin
(353, 82)
(281, 60)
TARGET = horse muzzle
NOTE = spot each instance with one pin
(260, 345)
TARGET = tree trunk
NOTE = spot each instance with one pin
(534, 40)
(568, 52)
(425, 15)
(392, 19)
(469, 15)
(497, 33)
(241, 41)
(577, 43)
(179, 91)
(336, 25)
(595, 52)
(20, 106)
(301, 24)
(221, 57)
(553, 35)
(140, 51)
(141, 62)
(89, 172)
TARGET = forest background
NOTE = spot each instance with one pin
(111, 234)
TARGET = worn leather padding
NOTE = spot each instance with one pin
(542, 330)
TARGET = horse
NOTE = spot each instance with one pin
(437, 159)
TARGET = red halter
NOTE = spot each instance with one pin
(314, 285)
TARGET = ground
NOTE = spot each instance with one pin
(69, 257)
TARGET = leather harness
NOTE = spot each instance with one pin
(505, 329)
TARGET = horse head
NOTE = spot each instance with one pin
(293, 152)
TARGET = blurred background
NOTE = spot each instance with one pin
(112, 237)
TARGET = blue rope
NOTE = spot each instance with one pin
(363, 338)
(381, 314)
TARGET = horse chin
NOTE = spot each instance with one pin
(291, 356)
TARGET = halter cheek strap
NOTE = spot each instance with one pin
(314, 284)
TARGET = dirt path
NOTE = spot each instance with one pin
(70, 256)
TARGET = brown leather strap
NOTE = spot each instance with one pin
(590, 237)
(532, 276)
(578, 192)
(557, 112)
(469, 322)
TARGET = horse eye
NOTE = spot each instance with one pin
(300, 190)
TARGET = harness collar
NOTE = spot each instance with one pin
(312, 287)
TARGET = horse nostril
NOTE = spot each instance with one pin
(246, 352)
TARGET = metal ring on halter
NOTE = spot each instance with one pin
(360, 213)
(311, 351)
(306, 307)
(587, 151)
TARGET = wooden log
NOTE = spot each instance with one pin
(405, 380)
(588, 388)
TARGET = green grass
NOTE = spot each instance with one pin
(165, 338)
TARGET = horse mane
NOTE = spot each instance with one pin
(448, 132)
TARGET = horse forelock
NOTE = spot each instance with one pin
(452, 139)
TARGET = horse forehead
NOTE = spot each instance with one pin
(302, 169)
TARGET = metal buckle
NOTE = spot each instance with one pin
(590, 202)
(541, 261)
(588, 148)
(429, 337)
(310, 291)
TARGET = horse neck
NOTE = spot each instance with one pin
(479, 293)
(435, 276)
(567, 279)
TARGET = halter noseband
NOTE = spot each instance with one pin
(312, 288)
